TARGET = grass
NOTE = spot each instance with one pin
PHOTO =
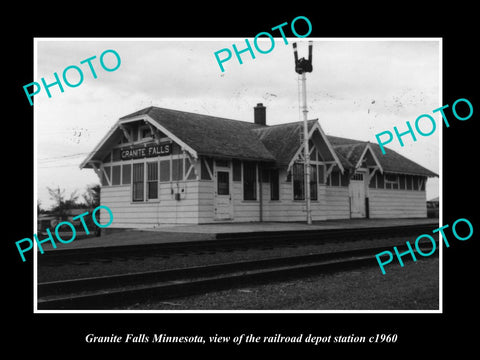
(413, 287)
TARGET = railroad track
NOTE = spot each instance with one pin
(107, 292)
(228, 242)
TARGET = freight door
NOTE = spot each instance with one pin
(356, 190)
(223, 197)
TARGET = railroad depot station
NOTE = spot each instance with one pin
(159, 166)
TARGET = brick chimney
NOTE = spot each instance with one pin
(260, 114)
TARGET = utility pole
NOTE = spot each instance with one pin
(302, 66)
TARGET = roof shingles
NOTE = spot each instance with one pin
(282, 140)
(210, 135)
(215, 136)
(391, 162)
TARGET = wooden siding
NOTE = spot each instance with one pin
(287, 209)
(397, 203)
(338, 202)
(332, 203)
(128, 214)
(244, 210)
(197, 204)
(205, 201)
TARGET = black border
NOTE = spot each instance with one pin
(417, 332)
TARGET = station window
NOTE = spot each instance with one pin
(357, 176)
(334, 178)
(145, 177)
(138, 179)
(391, 181)
(249, 181)
(274, 185)
(321, 174)
(298, 181)
(313, 183)
(152, 180)
(223, 183)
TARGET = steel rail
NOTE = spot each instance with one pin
(108, 291)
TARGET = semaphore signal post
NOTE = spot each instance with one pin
(302, 66)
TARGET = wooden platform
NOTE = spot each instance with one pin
(185, 233)
(221, 228)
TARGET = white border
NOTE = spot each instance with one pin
(35, 184)
(35, 255)
(440, 179)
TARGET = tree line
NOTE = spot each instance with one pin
(88, 200)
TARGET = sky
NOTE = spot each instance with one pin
(358, 88)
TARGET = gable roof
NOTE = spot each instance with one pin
(220, 137)
(210, 135)
(283, 140)
(351, 153)
(391, 162)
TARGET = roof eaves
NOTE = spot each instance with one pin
(163, 129)
(99, 145)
